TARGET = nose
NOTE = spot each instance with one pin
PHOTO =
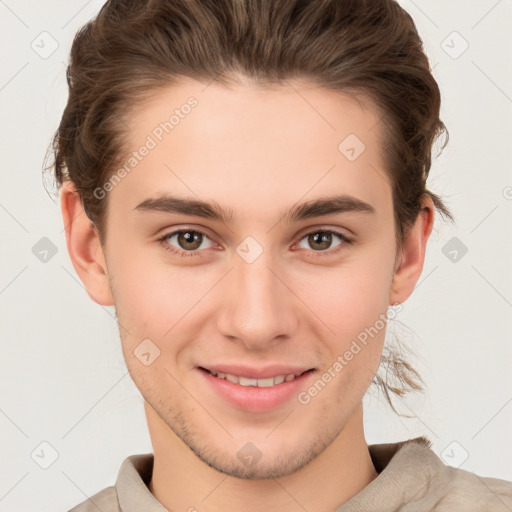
(258, 305)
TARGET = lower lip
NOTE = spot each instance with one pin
(255, 399)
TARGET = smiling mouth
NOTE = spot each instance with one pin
(260, 383)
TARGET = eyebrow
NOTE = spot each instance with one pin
(212, 210)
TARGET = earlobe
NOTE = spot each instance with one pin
(84, 248)
(412, 255)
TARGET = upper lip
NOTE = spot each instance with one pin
(265, 372)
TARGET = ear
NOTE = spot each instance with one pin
(84, 246)
(412, 255)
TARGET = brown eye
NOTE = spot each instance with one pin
(321, 241)
(188, 242)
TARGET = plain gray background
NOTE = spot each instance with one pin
(67, 400)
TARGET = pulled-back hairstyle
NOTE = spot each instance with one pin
(366, 48)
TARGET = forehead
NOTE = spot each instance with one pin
(279, 144)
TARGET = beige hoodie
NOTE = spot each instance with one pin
(412, 478)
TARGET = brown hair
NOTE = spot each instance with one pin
(368, 48)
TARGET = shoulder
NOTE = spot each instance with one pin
(451, 489)
(105, 500)
(458, 489)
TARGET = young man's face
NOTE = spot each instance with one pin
(260, 291)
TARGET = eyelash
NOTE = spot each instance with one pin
(197, 252)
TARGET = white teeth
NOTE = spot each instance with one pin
(243, 381)
(260, 383)
(279, 380)
(265, 383)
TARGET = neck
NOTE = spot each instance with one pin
(181, 481)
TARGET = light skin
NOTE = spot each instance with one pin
(256, 152)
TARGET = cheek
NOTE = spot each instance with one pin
(351, 297)
(151, 296)
(353, 305)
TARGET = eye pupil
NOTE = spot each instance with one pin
(323, 238)
(189, 237)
